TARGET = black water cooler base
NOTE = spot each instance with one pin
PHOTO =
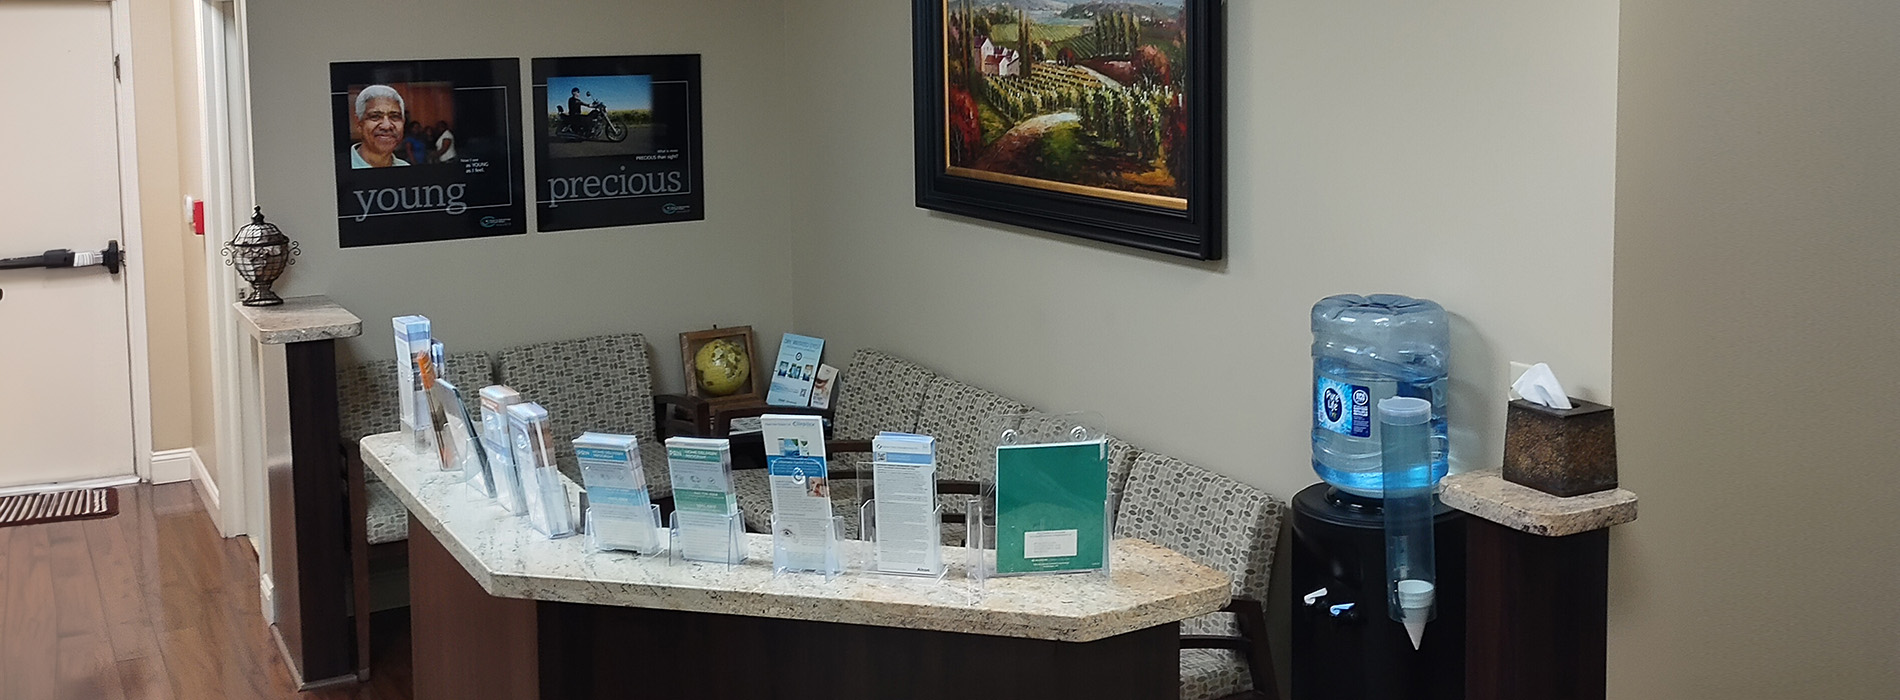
(1361, 653)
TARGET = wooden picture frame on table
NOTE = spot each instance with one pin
(1105, 124)
(750, 393)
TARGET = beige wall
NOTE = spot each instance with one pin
(161, 222)
(1459, 151)
(1756, 267)
(192, 180)
(491, 293)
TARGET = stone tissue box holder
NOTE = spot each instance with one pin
(1560, 452)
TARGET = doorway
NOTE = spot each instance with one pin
(69, 363)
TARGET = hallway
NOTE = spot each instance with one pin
(152, 603)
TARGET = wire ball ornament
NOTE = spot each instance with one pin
(260, 252)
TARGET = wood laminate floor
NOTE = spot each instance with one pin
(153, 603)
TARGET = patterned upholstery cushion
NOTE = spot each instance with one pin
(1218, 522)
(388, 520)
(366, 393)
(600, 384)
(1214, 520)
(1121, 461)
(878, 392)
(1208, 674)
(955, 414)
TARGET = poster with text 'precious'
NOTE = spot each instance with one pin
(794, 371)
(427, 150)
(617, 141)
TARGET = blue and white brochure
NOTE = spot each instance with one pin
(704, 506)
(619, 508)
(792, 374)
(904, 477)
(412, 364)
(501, 457)
(802, 535)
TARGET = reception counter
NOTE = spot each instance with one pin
(497, 610)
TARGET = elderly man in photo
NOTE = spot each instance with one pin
(379, 116)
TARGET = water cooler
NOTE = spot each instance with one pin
(1345, 645)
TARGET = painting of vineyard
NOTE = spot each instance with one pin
(1086, 97)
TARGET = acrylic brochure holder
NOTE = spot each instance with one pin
(654, 540)
(1041, 504)
(792, 555)
(932, 539)
(700, 537)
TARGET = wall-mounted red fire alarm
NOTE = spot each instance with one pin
(197, 215)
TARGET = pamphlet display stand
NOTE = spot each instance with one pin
(702, 547)
(867, 524)
(786, 552)
(1074, 540)
(549, 506)
(654, 544)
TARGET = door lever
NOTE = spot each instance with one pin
(111, 258)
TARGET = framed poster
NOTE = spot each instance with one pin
(617, 141)
(427, 150)
(1098, 120)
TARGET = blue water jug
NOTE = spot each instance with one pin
(1368, 348)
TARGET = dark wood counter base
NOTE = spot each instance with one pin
(468, 644)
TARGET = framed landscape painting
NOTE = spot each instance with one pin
(1091, 119)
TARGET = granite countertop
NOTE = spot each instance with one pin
(300, 320)
(1151, 585)
(1487, 495)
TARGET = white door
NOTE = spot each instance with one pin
(65, 364)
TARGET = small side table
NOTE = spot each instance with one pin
(309, 528)
(1537, 596)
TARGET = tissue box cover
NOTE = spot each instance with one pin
(1560, 452)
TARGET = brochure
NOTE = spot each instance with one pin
(703, 504)
(904, 479)
(501, 457)
(412, 361)
(792, 375)
(801, 493)
(541, 486)
(462, 450)
(438, 411)
(619, 506)
(821, 386)
(1050, 506)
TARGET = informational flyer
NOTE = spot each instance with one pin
(904, 472)
(797, 366)
(703, 502)
(617, 141)
(620, 510)
(1051, 503)
(427, 150)
(802, 532)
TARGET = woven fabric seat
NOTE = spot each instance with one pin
(1220, 523)
(601, 384)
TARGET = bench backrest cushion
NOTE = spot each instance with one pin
(366, 392)
(1214, 520)
(879, 392)
(601, 384)
(956, 414)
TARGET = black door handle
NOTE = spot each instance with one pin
(111, 258)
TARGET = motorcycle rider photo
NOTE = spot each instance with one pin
(576, 114)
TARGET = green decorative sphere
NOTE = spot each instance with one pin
(723, 367)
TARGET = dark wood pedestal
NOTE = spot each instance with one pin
(310, 564)
(468, 644)
(1538, 612)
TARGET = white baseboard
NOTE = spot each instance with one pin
(207, 488)
(268, 597)
(173, 466)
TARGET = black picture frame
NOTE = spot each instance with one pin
(1193, 228)
(651, 172)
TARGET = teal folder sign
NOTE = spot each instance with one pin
(1050, 503)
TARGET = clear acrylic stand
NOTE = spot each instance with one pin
(933, 565)
(649, 543)
(550, 509)
(696, 537)
(976, 565)
(787, 552)
(1031, 429)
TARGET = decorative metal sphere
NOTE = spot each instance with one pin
(261, 252)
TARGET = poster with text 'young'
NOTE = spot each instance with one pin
(427, 150)
(617, 141)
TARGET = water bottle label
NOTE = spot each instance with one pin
(1343, 408)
